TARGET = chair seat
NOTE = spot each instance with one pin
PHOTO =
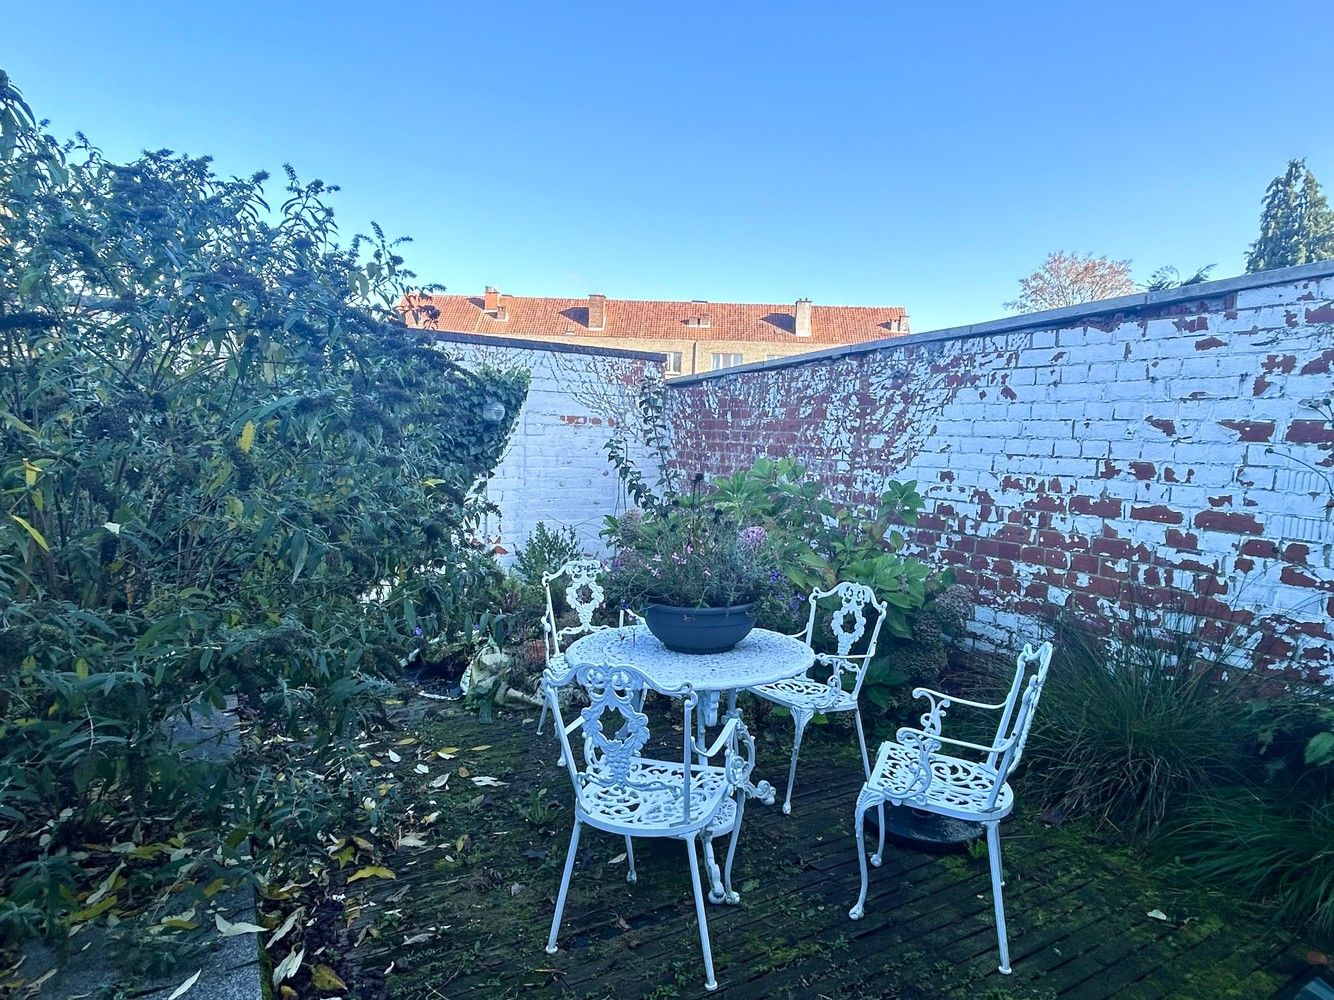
(959, 788)
(802, 692)
(658, 812)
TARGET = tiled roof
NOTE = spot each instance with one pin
(647, 320)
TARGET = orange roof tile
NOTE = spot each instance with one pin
(649, 320)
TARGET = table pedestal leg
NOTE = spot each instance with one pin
(762, 790)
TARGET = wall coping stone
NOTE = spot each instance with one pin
(526, 344)
(1045, 320)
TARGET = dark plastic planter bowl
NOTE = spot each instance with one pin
(699, 630)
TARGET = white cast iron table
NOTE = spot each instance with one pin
(762, 657)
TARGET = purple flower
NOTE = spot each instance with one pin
(417, 631)
(753, 537)
(775, 576)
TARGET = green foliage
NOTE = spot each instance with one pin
(1296, 223)
(226, 468)
(820, 544)
(545, 552)
(1269, 837)
(1132, 726)
(1169, 277)
(687, 553)
(1272, 844)
(650, 420)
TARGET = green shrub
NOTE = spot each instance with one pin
(226, 468)
(545, 552)
(1273, 844)
(1271, 838)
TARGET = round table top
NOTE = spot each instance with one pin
(760, 658)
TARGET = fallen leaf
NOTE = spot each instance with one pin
(418, 938)
(484, 781)
(394, 757)
(617, 860)
(484, 746)
(228, 929)
(181, 990)
(622, 923)
(411, 840)
(464, 772)
(1317, 958)
(515, 889)
(440, 782)
(324, 978)
(371, 871)
(107, 885)
(1156, 914)
(533, 855)
(286, 969)
(422, 769)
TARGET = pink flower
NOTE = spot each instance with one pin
(752, 538)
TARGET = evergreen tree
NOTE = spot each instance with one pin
(1296, 224)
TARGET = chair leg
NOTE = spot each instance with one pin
(879, 854)
(878, 858)
(709, 982)
(542, 718)
(801, 717)
(861, 739)
(859, 823)
(729, 896)
(994, 856)
(564, 889)
(631, 875)
(711, 869)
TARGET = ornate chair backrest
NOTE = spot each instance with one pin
(1017, 718)
(583, 593)
(854, 636)
(615, 733)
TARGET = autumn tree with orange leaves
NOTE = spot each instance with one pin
(1067, 279)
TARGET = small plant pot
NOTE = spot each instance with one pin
(699, 630)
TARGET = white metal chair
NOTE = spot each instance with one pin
(584, 594)
(621, 792)
(910, 771)
(804, 696)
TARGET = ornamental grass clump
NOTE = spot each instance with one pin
(691, 555)
(1133, 725)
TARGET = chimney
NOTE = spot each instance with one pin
(491, 300)
(597, 312)
(803, 326)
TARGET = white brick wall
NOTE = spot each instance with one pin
(555, 468)
(1184, 418)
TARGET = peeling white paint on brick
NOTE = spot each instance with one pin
(555, 467)
(1165, 447)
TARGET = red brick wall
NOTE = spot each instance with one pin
(1166, 451)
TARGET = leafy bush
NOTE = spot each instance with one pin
(1131, 725)
(226, 468)
(545, 552)
(819, 544)
(687, 554)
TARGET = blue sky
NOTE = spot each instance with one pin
(861, 154)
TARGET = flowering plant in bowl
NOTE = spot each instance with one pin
(698, 577)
